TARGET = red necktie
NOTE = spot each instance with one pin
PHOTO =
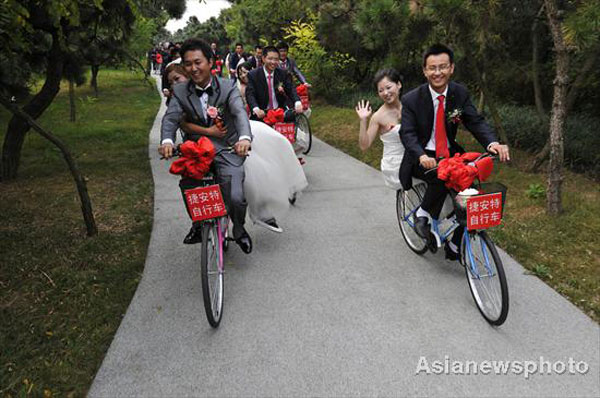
(270, 84)
(441, 141)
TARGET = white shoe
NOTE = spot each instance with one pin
(271, 225)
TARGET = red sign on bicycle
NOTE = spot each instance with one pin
(205, 203)
(484, 211)
(287, 129)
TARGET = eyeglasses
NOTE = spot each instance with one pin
(441, 68)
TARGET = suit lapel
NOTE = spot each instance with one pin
(451, 129)
(427, 105)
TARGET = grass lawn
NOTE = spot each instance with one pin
(62, 294)
(563, 251)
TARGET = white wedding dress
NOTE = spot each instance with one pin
(393, 152)
(273, 173)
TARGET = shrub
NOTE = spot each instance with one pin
(525, 130)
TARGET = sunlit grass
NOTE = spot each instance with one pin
(62, 295)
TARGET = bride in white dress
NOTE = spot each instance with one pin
(273, 175)
(385, 122)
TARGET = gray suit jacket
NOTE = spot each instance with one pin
(290, 67)
(225, 96)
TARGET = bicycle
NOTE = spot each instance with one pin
(483, 266)
(215, 240)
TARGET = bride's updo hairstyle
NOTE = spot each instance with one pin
(392, 74)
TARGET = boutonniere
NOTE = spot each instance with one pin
(280, 88)
(216, 113)
(454, 116)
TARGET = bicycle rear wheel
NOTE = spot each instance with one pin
(303, 124)
(212, 273)
(407, 203)
(486, 277)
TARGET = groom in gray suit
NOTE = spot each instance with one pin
(191, 100)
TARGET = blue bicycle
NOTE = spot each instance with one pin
(478, 254)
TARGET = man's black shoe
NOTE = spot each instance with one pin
(245, 243)
(422, 227)
(450, 254)
(194, 236)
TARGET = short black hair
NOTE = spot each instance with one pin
(194, 44)
(269, 49)
(258, 47)
(239, 44)
(438, 49)
(245, 65)
(282, 45)
(391, 73)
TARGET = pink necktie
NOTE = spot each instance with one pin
(441, 141)
(270, 84)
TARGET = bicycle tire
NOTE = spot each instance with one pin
(414, 196)
(303, 123)
(477, 285)
(209, 264)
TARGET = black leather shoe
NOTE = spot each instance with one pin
(422, 227)
(450, 254)
(194, 236)
(245, 243)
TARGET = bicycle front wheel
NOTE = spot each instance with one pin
(485, 275)
(407, 203)
(303, 124)
(212, 273)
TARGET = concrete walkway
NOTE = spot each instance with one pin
(335, 306)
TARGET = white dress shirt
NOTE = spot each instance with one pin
(434, 97)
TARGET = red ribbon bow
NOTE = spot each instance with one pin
(274, 116)
(460, 171)
(196, 158)
(302, 90)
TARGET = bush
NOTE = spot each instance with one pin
(526, 131)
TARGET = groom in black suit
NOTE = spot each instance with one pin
(430, 117)
(269, 87)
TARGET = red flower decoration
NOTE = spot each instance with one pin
(302, 90)
(274, 116)
(460, 171)
(196, 158)
(212, 112)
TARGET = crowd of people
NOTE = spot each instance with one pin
(418, 130)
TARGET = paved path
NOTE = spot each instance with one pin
(335, 306)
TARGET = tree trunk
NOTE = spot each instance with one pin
(72, 100)
(94, 81)
(86, 204)
(18, 127)
(559, 110)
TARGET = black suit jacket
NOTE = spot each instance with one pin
(418, 120)
(257, 92)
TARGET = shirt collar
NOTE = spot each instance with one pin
(207, 86)
(435, 94)
(267, 72)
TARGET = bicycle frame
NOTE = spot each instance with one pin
(445, 235)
